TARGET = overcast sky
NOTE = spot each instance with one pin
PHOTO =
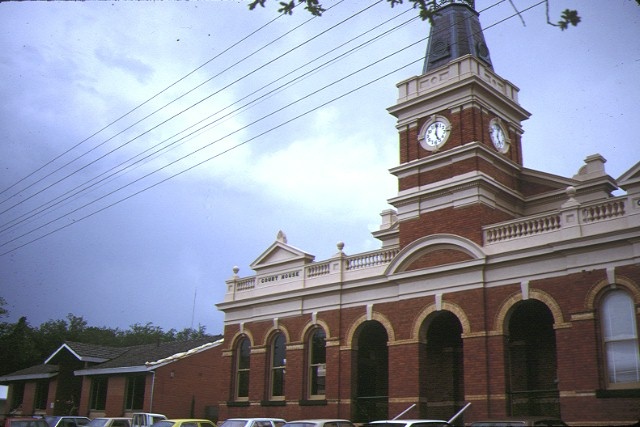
(96, 222)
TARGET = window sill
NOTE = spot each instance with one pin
(313, 402)
(273, 403)
(618, 393)
(238, 403)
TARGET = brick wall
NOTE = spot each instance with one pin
(427, 377)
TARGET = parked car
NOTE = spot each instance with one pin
(520, 422)
(110, 422)
(409, 423)
(66, 421)
(319, 423)
(184, 422)
(145, 419)
(25, 422)
(253, 422)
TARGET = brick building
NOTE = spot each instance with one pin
(510, 288)
(178, 379)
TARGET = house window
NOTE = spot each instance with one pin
(98, 396)
(42, 393)
(17, 396)
(278, 361)
(317, 358)
(243, 351)
(134, 399)
(620, 340)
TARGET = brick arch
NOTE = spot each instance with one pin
(380, 318)
(548, 300)
(435, 242)
(241, 334)
(597, 291)
(272, 330)
(446, 306)
(312, 325)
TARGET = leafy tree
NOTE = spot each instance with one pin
(3, 311)
(22, 345)
(426, 9)
(18, 348)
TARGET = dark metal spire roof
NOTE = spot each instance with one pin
(455, 32)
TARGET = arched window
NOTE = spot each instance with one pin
(317, 364)
(620, 339)
(278, 361)
(242, 364)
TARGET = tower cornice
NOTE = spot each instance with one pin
(461, 83)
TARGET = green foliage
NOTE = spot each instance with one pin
(4, 312)
(22, 345)
(427, 9)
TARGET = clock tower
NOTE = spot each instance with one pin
(460, 131)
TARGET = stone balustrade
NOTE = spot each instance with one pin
(573, 220)
(557, 221)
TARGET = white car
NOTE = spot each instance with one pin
(110, 422)
(253, 422)
(409, 423)
(319, 423)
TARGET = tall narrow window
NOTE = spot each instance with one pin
(17, 395)
(278, 361)
(620, 336)
(42, 394)
(98, 396)
(134, 399)
(317, 363)
(243, 351)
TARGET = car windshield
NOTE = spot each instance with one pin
(233, 423)
(434, 423)
(29, 423)
(499, 424)
(98, 422)
(163, 423)
(51, 420)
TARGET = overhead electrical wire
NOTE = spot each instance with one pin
(228, 149)
(86, 186)
(188, 108)
(159, 109)
(264, 117)
(135, 108)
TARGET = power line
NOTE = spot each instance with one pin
(249, 104)
(184, 110)
(225, 151)
(132, 110)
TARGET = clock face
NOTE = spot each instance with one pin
(436, 134)
(498, 136)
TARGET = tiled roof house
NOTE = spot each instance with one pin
(174, 378)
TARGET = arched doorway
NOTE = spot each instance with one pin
(371, 359)
(531, 361)
(441, 366)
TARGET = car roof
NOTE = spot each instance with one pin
(525, 419)
(408, 421)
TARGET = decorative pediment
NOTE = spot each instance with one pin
(279, 256)
(630, 180)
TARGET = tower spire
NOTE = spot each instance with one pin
(455, 32)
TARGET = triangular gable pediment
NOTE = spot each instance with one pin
(85, 352)
(630, 180)
(280, 255)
